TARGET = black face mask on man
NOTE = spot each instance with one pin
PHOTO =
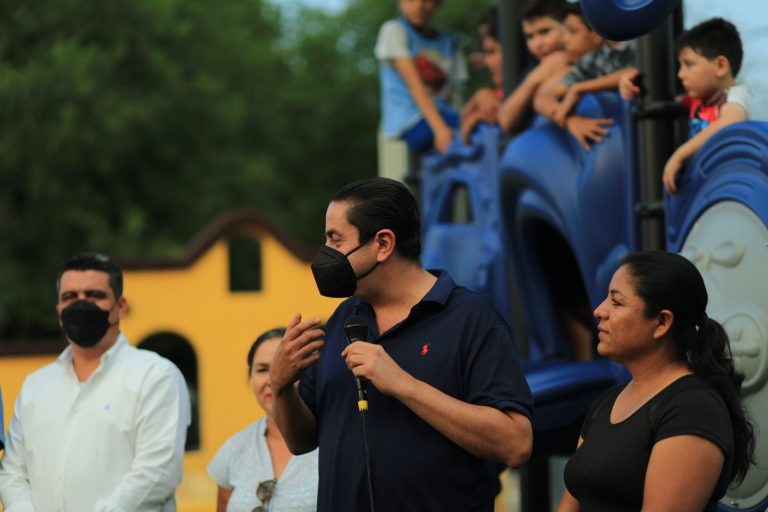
(334, 274)
(84, 323)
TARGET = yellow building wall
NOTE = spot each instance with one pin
(196, 304)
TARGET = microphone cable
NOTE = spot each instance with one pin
(357, 330)
(363, 412)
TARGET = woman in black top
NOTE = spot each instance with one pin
(676, 435)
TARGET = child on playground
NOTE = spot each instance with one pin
(600, 66)
(484, 105)
(420, 69)
(710, 57)
(543, 31)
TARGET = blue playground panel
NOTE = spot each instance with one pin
(543, 181)
(732, 166)
(585, 199)
(465, 180)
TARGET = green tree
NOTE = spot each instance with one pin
(126, 126)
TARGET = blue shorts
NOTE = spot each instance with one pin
(420, 138)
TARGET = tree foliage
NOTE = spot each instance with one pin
(126, 126)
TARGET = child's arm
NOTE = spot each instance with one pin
(548, 96)
(583, 129)
(586, 129)
(729, 113)
(483, 106)
(423, 99)
(514, 108)
(575, 91)
(627, 87)
(468, 124)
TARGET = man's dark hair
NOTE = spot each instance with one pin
(534, 9)
(713, 38)
(383, 203)
(94, 261)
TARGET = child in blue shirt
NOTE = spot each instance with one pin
(420, 68)
(710, 56)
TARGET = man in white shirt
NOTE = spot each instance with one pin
(103, 427)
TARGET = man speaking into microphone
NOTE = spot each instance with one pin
(445, 391)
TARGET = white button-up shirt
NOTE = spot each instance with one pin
(112, 443)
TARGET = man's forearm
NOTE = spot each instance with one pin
(156, 468)
(296, 422)
(481, 430)
(15, 493)
(15, 489)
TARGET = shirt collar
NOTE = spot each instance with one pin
(438, 295)
(442, 289)
(66, 356)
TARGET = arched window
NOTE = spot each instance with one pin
(179, 351)
(244, 264)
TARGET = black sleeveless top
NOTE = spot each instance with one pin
(607, 472)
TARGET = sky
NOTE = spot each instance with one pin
(330, 5)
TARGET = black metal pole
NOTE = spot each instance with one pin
(534, 476)
(512, 43)
(658, 136)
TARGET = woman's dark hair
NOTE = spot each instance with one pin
(667, 280)
(384, 203)
(489, 23)
(277, 332)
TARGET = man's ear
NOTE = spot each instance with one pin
(122, 307)
(385, 241)
(665, 318)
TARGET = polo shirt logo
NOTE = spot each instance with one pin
(425, 349)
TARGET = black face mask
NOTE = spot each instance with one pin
(334, 274)
(84, 323)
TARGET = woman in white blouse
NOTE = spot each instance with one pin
(254, 469)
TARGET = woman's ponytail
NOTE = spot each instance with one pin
(710, 358)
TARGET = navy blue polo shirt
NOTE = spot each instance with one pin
(453, 340)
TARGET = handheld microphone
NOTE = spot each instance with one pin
(357, 330)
